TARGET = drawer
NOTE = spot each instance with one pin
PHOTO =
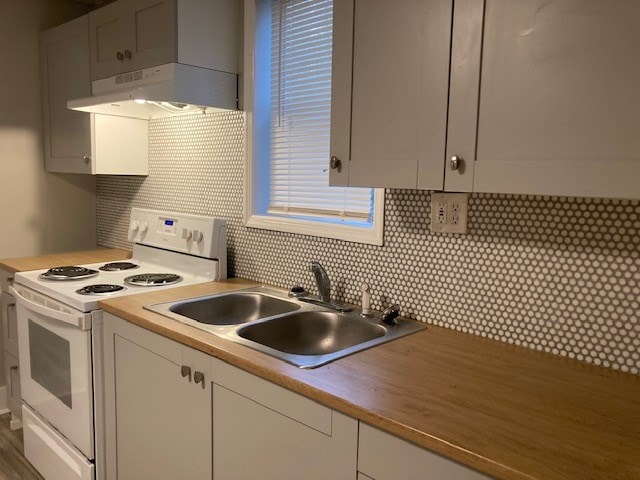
(281, 400)
(383, 456)
(6, 279)
(51, 454)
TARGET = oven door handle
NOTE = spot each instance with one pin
(75, 320)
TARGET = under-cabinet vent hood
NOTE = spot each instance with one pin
(163, 91)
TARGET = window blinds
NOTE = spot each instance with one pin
(301, 115)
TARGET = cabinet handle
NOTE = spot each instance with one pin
(186, 371)
(120, 56)
(128, 54)
(13, 368)
(335, 163)
(456, 163)
(86, 158)
(9, 306)
(198, 377)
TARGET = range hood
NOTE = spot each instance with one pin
(163, 91)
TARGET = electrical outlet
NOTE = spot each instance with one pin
(449, 212)
(441, 213)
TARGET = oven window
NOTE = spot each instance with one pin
(50, 361)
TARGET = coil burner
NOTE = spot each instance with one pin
(118, 266)
(153, 279)
(68, 272)
(100, 289)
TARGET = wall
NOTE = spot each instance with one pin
(41, 212)
(555, 274)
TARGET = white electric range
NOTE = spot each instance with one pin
(60, 331)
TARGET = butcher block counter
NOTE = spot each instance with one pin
(23, 264)
(508, 411)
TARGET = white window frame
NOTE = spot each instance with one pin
(256, 160)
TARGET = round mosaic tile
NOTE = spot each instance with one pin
(556, 274)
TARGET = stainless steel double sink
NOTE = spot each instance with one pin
(297, 332)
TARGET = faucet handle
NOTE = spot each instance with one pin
(390, 314)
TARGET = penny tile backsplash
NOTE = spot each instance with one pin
(556, 274)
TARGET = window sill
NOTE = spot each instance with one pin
(349, 233)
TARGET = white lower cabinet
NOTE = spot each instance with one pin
(173, 412)
(158, 422)
(14, 399)
(9, 324)
(382, 456)
(9, 357)
(160, 425)
(262, 431)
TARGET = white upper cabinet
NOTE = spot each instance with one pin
(65, 75)
(543, 98)
(559, 104)
(78, 142)
(130, 35)
(389, 92)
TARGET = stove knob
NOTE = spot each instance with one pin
(144, 226)
(186, 234)
(197, 236)
(133, 228)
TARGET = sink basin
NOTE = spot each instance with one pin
(301, 333)
(312, 333)
(233, 308)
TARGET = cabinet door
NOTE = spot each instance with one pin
(559, 99)
(65, 75)
(382, 456)
(158, 421)
(262, 431)
(389, 92)
(151, 39)
(131, 35)
(9, 324)
(14, 398)
(107, 38)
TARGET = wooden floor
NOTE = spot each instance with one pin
(13, 465)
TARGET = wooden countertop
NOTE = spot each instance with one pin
(508, 411)
(23, 264)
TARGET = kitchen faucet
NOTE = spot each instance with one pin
(322, 280)
(324, 290)
(388, 316)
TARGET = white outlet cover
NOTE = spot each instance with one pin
(457, 207)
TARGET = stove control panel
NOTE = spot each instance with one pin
(194, 234)
(168, 225)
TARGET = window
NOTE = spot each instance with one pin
(288, 122)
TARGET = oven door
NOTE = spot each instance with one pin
(55, 365)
